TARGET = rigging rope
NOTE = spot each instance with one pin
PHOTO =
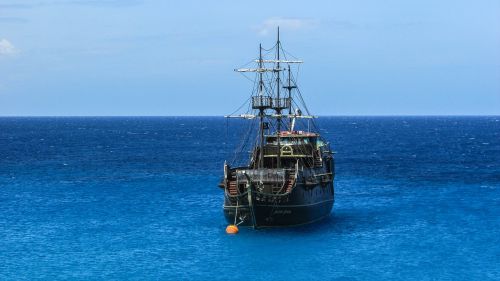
(270, 89)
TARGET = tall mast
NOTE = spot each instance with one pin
(268, 100)
(261, 113)
(278, 108)
(289, 88)
(261, 82)
(289, 92)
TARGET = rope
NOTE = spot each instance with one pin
(236, 212)
(270, 89)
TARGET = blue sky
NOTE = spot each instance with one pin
(133, 57)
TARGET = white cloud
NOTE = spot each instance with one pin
(7, 49)
(270, 25)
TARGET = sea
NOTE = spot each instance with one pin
(136, 198)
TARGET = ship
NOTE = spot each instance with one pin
(286, 177)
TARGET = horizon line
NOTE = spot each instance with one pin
(222, 116)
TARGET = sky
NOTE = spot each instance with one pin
(161, 58)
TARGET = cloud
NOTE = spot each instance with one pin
(270, 25)
(7, 49)
(345, 24)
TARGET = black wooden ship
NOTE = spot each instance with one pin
(287, 177)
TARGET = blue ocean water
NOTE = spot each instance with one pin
(417, 198)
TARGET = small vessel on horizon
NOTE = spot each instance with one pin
(287, 176)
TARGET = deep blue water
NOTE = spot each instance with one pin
(417, 198)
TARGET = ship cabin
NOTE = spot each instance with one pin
(293, 147)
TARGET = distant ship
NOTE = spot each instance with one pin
(287, 177)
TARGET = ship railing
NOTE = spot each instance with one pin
(281, 103)
(284, 177)
(287, 150)
(263, 175)
(261, 102)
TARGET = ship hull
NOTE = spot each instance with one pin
(306, 204)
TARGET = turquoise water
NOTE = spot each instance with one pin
(417, 198)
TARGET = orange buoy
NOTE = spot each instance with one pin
(231, 229)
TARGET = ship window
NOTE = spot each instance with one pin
(288, 140)
(271, 140)
(320, 143)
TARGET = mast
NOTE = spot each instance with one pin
(289, 88)
(278, 108)
(261, 114)
(268, 99)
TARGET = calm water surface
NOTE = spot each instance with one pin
(418, 198)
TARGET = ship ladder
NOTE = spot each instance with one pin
(236, 214)
(250, 201)
(318, 162)
(289, 185)
(233, 188)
